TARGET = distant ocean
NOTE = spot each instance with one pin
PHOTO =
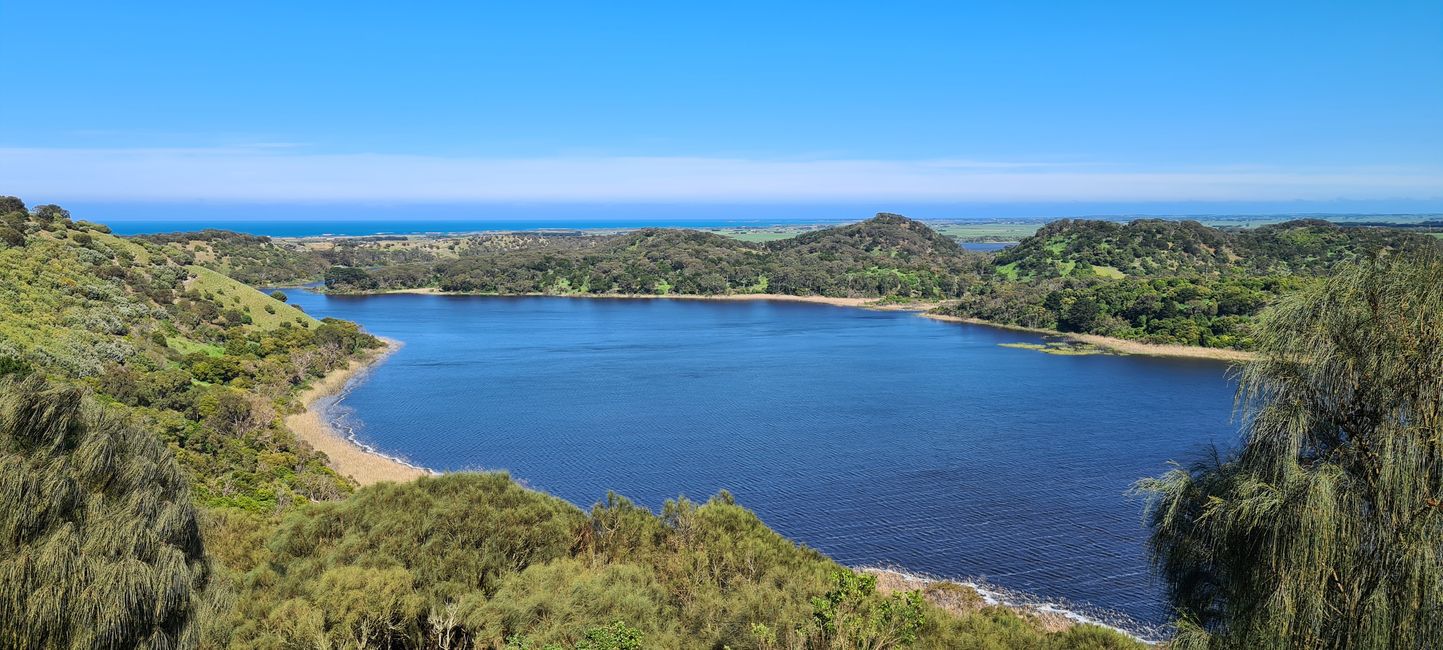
(319, 228)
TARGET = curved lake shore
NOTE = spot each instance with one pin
(874, 436)
(347, 456)
(1123, 346)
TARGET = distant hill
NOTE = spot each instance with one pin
(884, 237)
(1172, 282)
(1315, 247)
(888, 255)
(1159, 248)
(254, 260)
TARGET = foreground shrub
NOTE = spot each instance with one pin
(1325, 530)
(99, 544)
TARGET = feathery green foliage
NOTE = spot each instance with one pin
(99, 545)
(1326, 529)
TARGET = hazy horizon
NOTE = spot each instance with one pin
(1127, 108)
(199, 213)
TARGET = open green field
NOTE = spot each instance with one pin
(186, 346)
(766, 233)
(994, 231)
(1254, 221)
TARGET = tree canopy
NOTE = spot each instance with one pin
(1325, 530)
(99, 544)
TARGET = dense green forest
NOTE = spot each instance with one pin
(1175, 282)
(154, 498)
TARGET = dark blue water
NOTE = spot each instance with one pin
(985, 246)
(876, 437)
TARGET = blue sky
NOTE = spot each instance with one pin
(1098, 106)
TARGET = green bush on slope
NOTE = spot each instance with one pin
(1325, 530)
(1170, 282)
(205, 362)
(99, 545)
(476, 561)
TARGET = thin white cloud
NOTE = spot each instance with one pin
(286, 174)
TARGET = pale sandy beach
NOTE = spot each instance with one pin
(963, 597)
(1119, 345)
(347, 457)
(869, 303)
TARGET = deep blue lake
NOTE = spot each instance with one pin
(985, 246)
(880, 438)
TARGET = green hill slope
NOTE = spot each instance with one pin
(887, 256)
(1167, 282)
(251, 259)
(207, 362)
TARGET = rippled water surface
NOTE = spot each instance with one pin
(876, 437)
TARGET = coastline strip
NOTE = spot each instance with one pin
(864, 303)
(347, 456)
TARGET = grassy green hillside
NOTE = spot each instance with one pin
(207, 362)
(251, 259)
(264, 311)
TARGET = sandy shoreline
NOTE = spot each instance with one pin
(864, 303)
(1051, 616)
(1120, 345)
(921, 307)
(345, 456)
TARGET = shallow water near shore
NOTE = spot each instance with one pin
(879, 438)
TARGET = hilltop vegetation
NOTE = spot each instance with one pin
(154, 498)
(254, 260)
(889, 255)
(1164, 281)
(474, 561)
(1159, 248)
(1150, 280)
